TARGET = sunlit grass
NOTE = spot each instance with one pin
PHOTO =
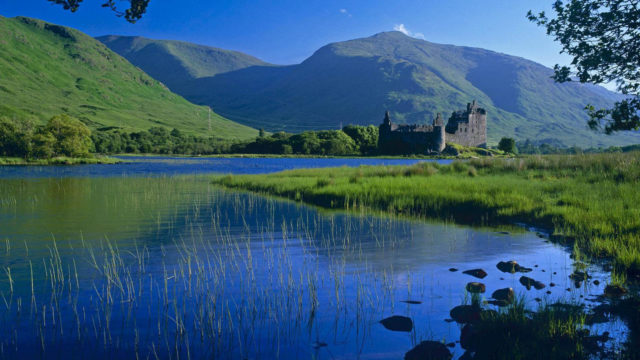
(592, 200)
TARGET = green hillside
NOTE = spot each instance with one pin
(177, 62)
(354, 82)
(48, 69)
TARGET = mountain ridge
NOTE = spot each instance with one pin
(355, 81)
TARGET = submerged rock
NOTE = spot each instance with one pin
(453, 269)
(464, 314)
(411, 302)
(507, 295)
(431, 350)
(529, 282)
(479, 273)
(398, 323)
(319, 344)
(476, 287)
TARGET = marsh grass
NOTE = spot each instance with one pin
(589, 200)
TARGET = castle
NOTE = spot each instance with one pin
(465, 127)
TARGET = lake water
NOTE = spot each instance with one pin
(149, 259)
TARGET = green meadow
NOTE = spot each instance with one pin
(588, 201)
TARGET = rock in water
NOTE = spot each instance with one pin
(464, 314)
(398, 323)
(411, 302)
(512, 267)
(453, 269)
(479, 273)
(507, 295)
(476, 287)
(529, 282)
(614, 290)
(429, 350)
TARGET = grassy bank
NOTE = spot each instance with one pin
(590, 200)
(58, 161)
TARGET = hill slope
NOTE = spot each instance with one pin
(356, 81)
(49, 69)
(176, 62)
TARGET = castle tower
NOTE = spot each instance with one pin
(387, 119)
(438, 121)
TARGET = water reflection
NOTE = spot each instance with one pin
(173, 266)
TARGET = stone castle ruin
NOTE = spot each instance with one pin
(465, 127)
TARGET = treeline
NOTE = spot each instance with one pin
(66, 136)
(61, 136)
(352, 140)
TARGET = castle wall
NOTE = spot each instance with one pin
(404, 140)
(467, 128)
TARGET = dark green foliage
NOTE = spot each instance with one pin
(508, 145)
(603, 37)
(61, 136)
(328, 142)
(366, 137)
(72, 138)
(134, 13)
(158, 140)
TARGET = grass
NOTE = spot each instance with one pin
(554, 331)
(61, 160)
(49, 69)
(591, 201)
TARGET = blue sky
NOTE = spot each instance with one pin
(288, 31)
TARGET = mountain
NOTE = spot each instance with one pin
(175, 63)
(48, 69)
(354, 82)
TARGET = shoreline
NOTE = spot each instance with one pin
(56, 161)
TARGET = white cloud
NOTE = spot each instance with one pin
(345, 12)
(403, 29)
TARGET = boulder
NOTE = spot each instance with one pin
(398, 323)
(476, 287)
(429, 350)
(479, 273)
(507, 295)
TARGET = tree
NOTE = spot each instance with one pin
(603, 37)
(508, 145)
(73, 138)
(136, 9)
